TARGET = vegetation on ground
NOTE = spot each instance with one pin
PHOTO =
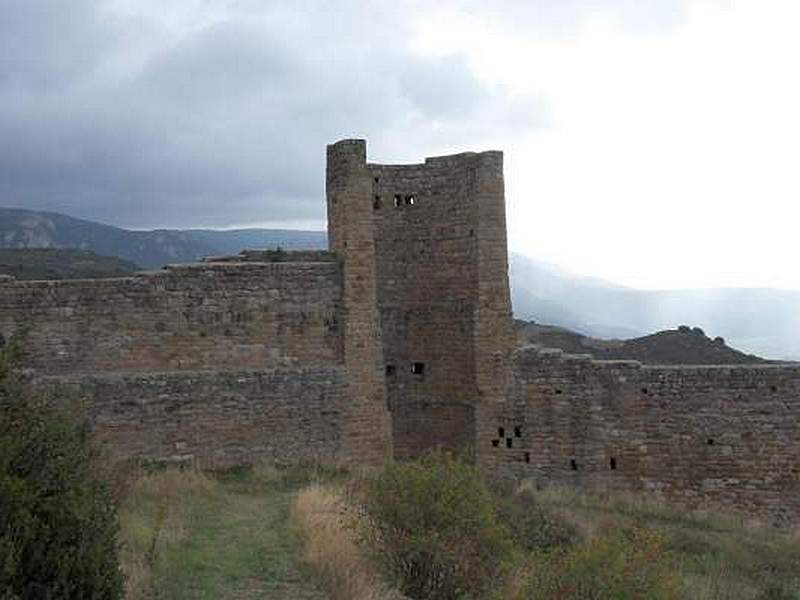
(58, 520)
(194, 535)
(418, 524)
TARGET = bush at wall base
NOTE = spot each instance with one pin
(58, 523)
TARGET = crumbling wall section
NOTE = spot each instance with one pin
(722, 436)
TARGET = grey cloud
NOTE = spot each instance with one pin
(223, 125)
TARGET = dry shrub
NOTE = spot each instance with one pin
(326, 523)
(617, 565)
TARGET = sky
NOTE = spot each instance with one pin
(652, 143)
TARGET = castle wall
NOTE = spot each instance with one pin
(723, 436)
(212, 418)
(442, 292)
(207, 316)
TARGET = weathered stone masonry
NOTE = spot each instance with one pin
(396, 341)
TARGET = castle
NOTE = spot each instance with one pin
(397, 340)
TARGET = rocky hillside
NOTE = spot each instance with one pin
(684, 345)
(50, 263)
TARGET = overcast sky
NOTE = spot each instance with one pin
(653, 143)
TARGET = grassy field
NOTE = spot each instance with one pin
(260, 533)
(188, 536)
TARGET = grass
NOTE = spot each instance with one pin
(718, 556)
(188, 535)
(262, 533)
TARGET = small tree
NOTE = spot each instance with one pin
(58, 523)
(433, 528)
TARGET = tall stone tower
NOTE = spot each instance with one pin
(426, 243)
(367, 427)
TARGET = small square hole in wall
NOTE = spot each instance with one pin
(558, 391)
(644, 391)
(518, 431)
(411, 200)
(376, 179)
(710, 441)
(390, 370)
(509, 442)
(496, 443)
(612, 463)
(418, 368)
(501, 432)
(573, 465)
(398, 200)
(773, 388)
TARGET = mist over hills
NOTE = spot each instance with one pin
(765, 322)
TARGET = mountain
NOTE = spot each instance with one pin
(51, 263)
(765, 322)
(20, 228)
(682, 346)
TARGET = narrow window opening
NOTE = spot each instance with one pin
(573, 465)
(710, 441)
(501, 432)
(398, 200)
(376, 203)
(558, 391)
(527, 457)
(518, 431)
(376, 179)
(390, 370)
(613, 463)
(411, 200)
(495, 443)
(418, 368)
(644, 390)
(509, 442)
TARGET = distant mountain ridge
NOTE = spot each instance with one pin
(61, 263)
(765, 322)
(682, 346)
(21, 228)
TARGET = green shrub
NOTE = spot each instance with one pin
(531, 527)
(433, 528)
(618, 565)
(58, 524)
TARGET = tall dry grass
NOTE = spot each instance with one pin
(328, 526)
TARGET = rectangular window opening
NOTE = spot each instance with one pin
(390, 370)
(398, 200)
(612, 463)
(418, 368)
(573, 464)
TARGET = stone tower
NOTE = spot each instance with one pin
(424, 247)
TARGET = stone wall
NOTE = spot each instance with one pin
(723, 436)
(442, 292)
(192, 317)
(215, 418)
